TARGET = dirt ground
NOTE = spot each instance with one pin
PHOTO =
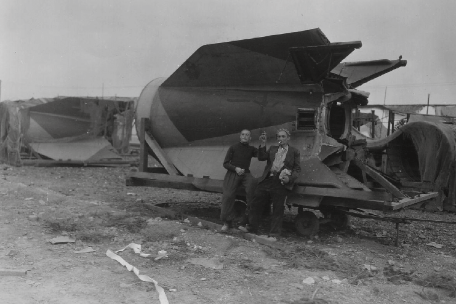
(93, 206)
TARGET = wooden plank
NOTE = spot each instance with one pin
(161, 177)
(354, 204)
(161, 155)
(161, 180)
(380, 179)
(344, 193)
(132, 181)
(13, 272)
(411, 201)
(143, 154)
(53, 163)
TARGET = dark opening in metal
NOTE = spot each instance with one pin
(305, 119)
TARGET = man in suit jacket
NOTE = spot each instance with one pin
(282, 169)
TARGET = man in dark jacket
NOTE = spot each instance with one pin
(282, 169)
(237, 163)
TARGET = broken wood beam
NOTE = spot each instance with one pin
(406, 202)
(380, 179)
(161, 155)
(143, 154)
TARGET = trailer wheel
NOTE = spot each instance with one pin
(307, 223)
(239, 208)
(338, 219)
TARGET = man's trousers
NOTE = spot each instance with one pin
(231, 184)
(267, 191)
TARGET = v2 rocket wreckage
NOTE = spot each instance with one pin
(295, 81)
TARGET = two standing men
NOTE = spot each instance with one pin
(282, 169)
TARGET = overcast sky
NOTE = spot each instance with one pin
(115, 47)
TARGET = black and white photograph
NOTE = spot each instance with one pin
(215, 151)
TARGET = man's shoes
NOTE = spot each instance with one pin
(244, 221)
(274, 236)
(247, 229)
(226, 226)
(243, 229)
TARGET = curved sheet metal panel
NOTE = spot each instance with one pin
(423, 151)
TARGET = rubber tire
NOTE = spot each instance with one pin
(239, 208)
(339, 220)
(307, 223)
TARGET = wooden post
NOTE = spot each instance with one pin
(427, 109)
(143, 155)
(358, 127)
(389, 123)
(373, 123)
(384, 163)
(392, 122)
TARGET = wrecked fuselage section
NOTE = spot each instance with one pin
(65, 129)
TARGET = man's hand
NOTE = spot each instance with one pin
(285, 179)
(239, 171)
(263, 138)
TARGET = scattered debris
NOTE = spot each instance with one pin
(396, 275)
(308, 281)
(13, 272)
(161, 292)
(33, 217)
(428, 295)
(370, 268)
(161, 254)
(123, 285)
(136, 248)
(442, 281)
(12, 253)
(299, 286)
(213, 263)
(85, 250)
(61, 240)
(434, 244)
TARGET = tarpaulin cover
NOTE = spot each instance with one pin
(10, 133)
(436, 149)
(431, 158)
